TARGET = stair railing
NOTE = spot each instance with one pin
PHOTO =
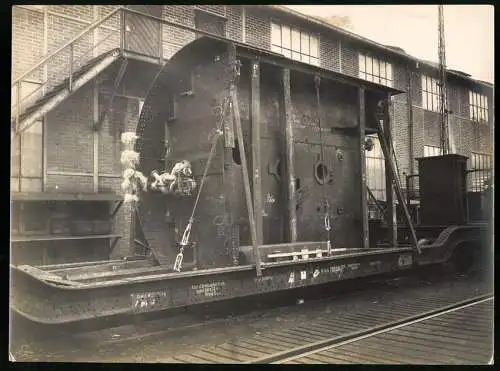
(64, 61)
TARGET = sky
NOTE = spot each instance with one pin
(469, 31)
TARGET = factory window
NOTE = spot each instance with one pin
(375, 169)
(210, 23)
(375, 70)
(295, 44)
(431, 97)
(430, 151)
(478, 107)
(480, 166)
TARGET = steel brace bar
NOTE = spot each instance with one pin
(396, 186)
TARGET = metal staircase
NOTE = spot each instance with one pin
(66, 70)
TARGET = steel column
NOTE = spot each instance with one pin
(256, 153)
(289, 158)
(95, 171)
(362, 167)
(389, 191)
(229, 172)
(409, 103)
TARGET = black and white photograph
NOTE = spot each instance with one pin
(252, 184)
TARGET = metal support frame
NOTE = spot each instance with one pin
(122, 28)
(256, 153)
(289, 157)
(112, 246)
(241, 145)
(116, 84)
(118, 205)
(71, 54)
(95, 136)
(409, 103)
(229, 173)
(377, 204)
(362, 167)
(385, 137)
(393, 185)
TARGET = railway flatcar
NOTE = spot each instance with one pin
(246, 174)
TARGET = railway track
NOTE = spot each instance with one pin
(433, 329)
(457, 334)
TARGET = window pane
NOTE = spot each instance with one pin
(314, 46)
(296, 56)
(305, 58)
(471, 111)
(287, 53)
(304, 43)
(389, 83)
(362, 61)
(315, 61)
(424, 83)
(275, 34)
(435, 103)
(486, 103)
(285, 37)
(389, 71)
(376, 67)
(369, 66)
(296, 40)
(383, 70)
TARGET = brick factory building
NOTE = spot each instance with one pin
(70, 142)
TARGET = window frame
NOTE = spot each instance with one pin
(431, 96)
(372, 69)
(480, 173)
(478, 106)
(483, 157)
(288, 50)
(435, 150)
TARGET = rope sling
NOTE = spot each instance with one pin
(218, 133)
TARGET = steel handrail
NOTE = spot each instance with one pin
(64, 46)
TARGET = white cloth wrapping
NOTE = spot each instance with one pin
(129, 159)
(128, 140)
